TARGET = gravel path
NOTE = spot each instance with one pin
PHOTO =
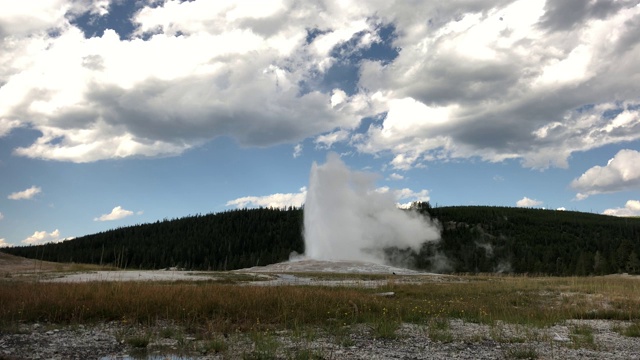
(468, 341)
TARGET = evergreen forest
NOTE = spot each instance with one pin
(475, 239)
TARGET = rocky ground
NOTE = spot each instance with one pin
(452, 339)
(455, 340)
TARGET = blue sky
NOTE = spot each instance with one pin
(115, 113)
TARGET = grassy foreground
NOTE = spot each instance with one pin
(536, 301)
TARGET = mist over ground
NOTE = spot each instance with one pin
(345, 218)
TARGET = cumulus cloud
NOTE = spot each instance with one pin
(283, 200)
(526, 202)
(297, 151)
(42, 237)
(407, 195)
(492, 82)
(4, 243)
(274, 200)
(25, 194)
(532, 80)
(631, 208)
(326, 141)
(116, 214)
(396, 176)
(621, 173)
(230, 72)
(28, 17)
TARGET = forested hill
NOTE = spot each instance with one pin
(474, 239)
(223, 241)
(490, 239)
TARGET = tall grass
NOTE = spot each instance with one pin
(219, 307)
(225, 305)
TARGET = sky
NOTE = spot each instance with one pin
(123, 112)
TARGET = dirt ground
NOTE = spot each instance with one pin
(10, 263)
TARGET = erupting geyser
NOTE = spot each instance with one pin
(345, 218)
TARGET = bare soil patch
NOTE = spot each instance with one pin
(12, 264)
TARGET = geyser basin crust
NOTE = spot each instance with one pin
(332, 266)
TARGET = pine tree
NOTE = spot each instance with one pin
(633, 264)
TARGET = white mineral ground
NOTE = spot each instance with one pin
(285, 273)
(289, 272)
(130, 275)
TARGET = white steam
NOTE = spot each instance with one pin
(346, 219)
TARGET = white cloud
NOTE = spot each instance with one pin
(232, 72)
(631, 208)
(1, 216)
(297, 151)
(42, 237)
(494, 79)
(438, 89)
(275, 200)
(282, 200)
(404, 161)
(396, 176)
(4, 243)
(562, 208)
(526, 202)
(19, 19)
(407, 195)
(326, 141)
(25, 194)
(621, 173)
(116, 214)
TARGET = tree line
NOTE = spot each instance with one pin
(522, 240)
(223, 241)
(474, 239)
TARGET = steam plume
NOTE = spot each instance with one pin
(346, 219)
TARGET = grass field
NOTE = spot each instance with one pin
(233, 314)
(536, 301)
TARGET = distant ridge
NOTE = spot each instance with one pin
(474, 239)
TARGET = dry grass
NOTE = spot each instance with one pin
(524, 300)
(224, 308)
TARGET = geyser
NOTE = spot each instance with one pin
(345, 218)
